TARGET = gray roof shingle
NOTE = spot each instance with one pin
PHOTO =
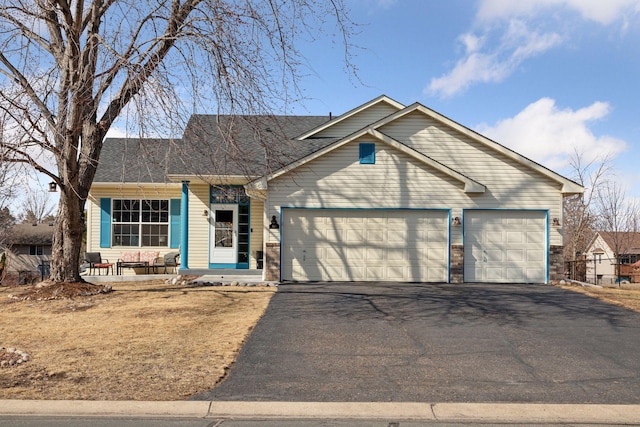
(212, 145)
(29, 234)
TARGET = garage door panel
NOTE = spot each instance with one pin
(332, 253)
(375, 236)
(375, 254)
(515, 237)
(374, 273)
(515, 274)
(494, 273)
(355, 253)
(436, 254)
(505, 246)
(516, 255)
(533, 273)
(535, 256)
(365, 245)
(356, 236)
(535, 237)
(396, 255)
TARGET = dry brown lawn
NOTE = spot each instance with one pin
(143, 341)
(628, 298)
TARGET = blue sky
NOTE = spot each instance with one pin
(546, 78)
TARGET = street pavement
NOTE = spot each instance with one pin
(390, 342)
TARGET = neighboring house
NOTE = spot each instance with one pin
(384, 192)
(604, 247)
(29, 245)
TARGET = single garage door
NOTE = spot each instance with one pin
(505, 246)
(365, 245)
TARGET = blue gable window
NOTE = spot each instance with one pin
(367, 153)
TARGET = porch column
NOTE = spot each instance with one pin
(184, 224)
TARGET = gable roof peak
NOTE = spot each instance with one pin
(382, 99)
(568, 186)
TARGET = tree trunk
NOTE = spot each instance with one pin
(67, 239)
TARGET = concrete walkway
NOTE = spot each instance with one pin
(399, 411)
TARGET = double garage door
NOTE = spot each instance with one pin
(365, 245)
(411, 245)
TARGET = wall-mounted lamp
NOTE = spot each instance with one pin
(274, 223)
(205, 213)
(556, 222)
(53, 187)
(456, 221)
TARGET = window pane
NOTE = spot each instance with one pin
(155, 235)
(125, 235)
(224, 228)
(155, 211)
(126, 210)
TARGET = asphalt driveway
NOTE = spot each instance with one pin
(437, 343)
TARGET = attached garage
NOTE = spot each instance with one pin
(505, 246)
(365, 245)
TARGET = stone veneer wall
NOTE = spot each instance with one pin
(556, 262)
(272, 262)
(457, 264)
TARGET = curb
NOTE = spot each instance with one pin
(396, 411)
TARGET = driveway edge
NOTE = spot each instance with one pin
(394, 411)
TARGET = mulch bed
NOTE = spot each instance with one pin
(48, 290)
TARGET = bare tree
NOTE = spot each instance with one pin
(71, 69)
(578, 209)
(37, 207)
(616, 217)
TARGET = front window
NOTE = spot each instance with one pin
(140, 222)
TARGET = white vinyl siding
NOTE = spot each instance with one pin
(338, 180)
(509, 183)
(357, 121)
(505, 246)
(256, 227)
(198, 226)
(365, 245)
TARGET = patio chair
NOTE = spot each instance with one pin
(170, 260)
(95, 261)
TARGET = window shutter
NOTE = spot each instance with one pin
(105, 222)
(174, 221)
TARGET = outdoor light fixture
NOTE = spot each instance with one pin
(274, 223)
(52, 187)
(456, 221)
(556, 222)
(205, 213)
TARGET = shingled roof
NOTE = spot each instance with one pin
(628, 242)
(30, 234)
(212, 145)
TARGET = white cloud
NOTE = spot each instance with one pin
(602, 11)
(509, 32)
(517, 44)
(550, 135)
